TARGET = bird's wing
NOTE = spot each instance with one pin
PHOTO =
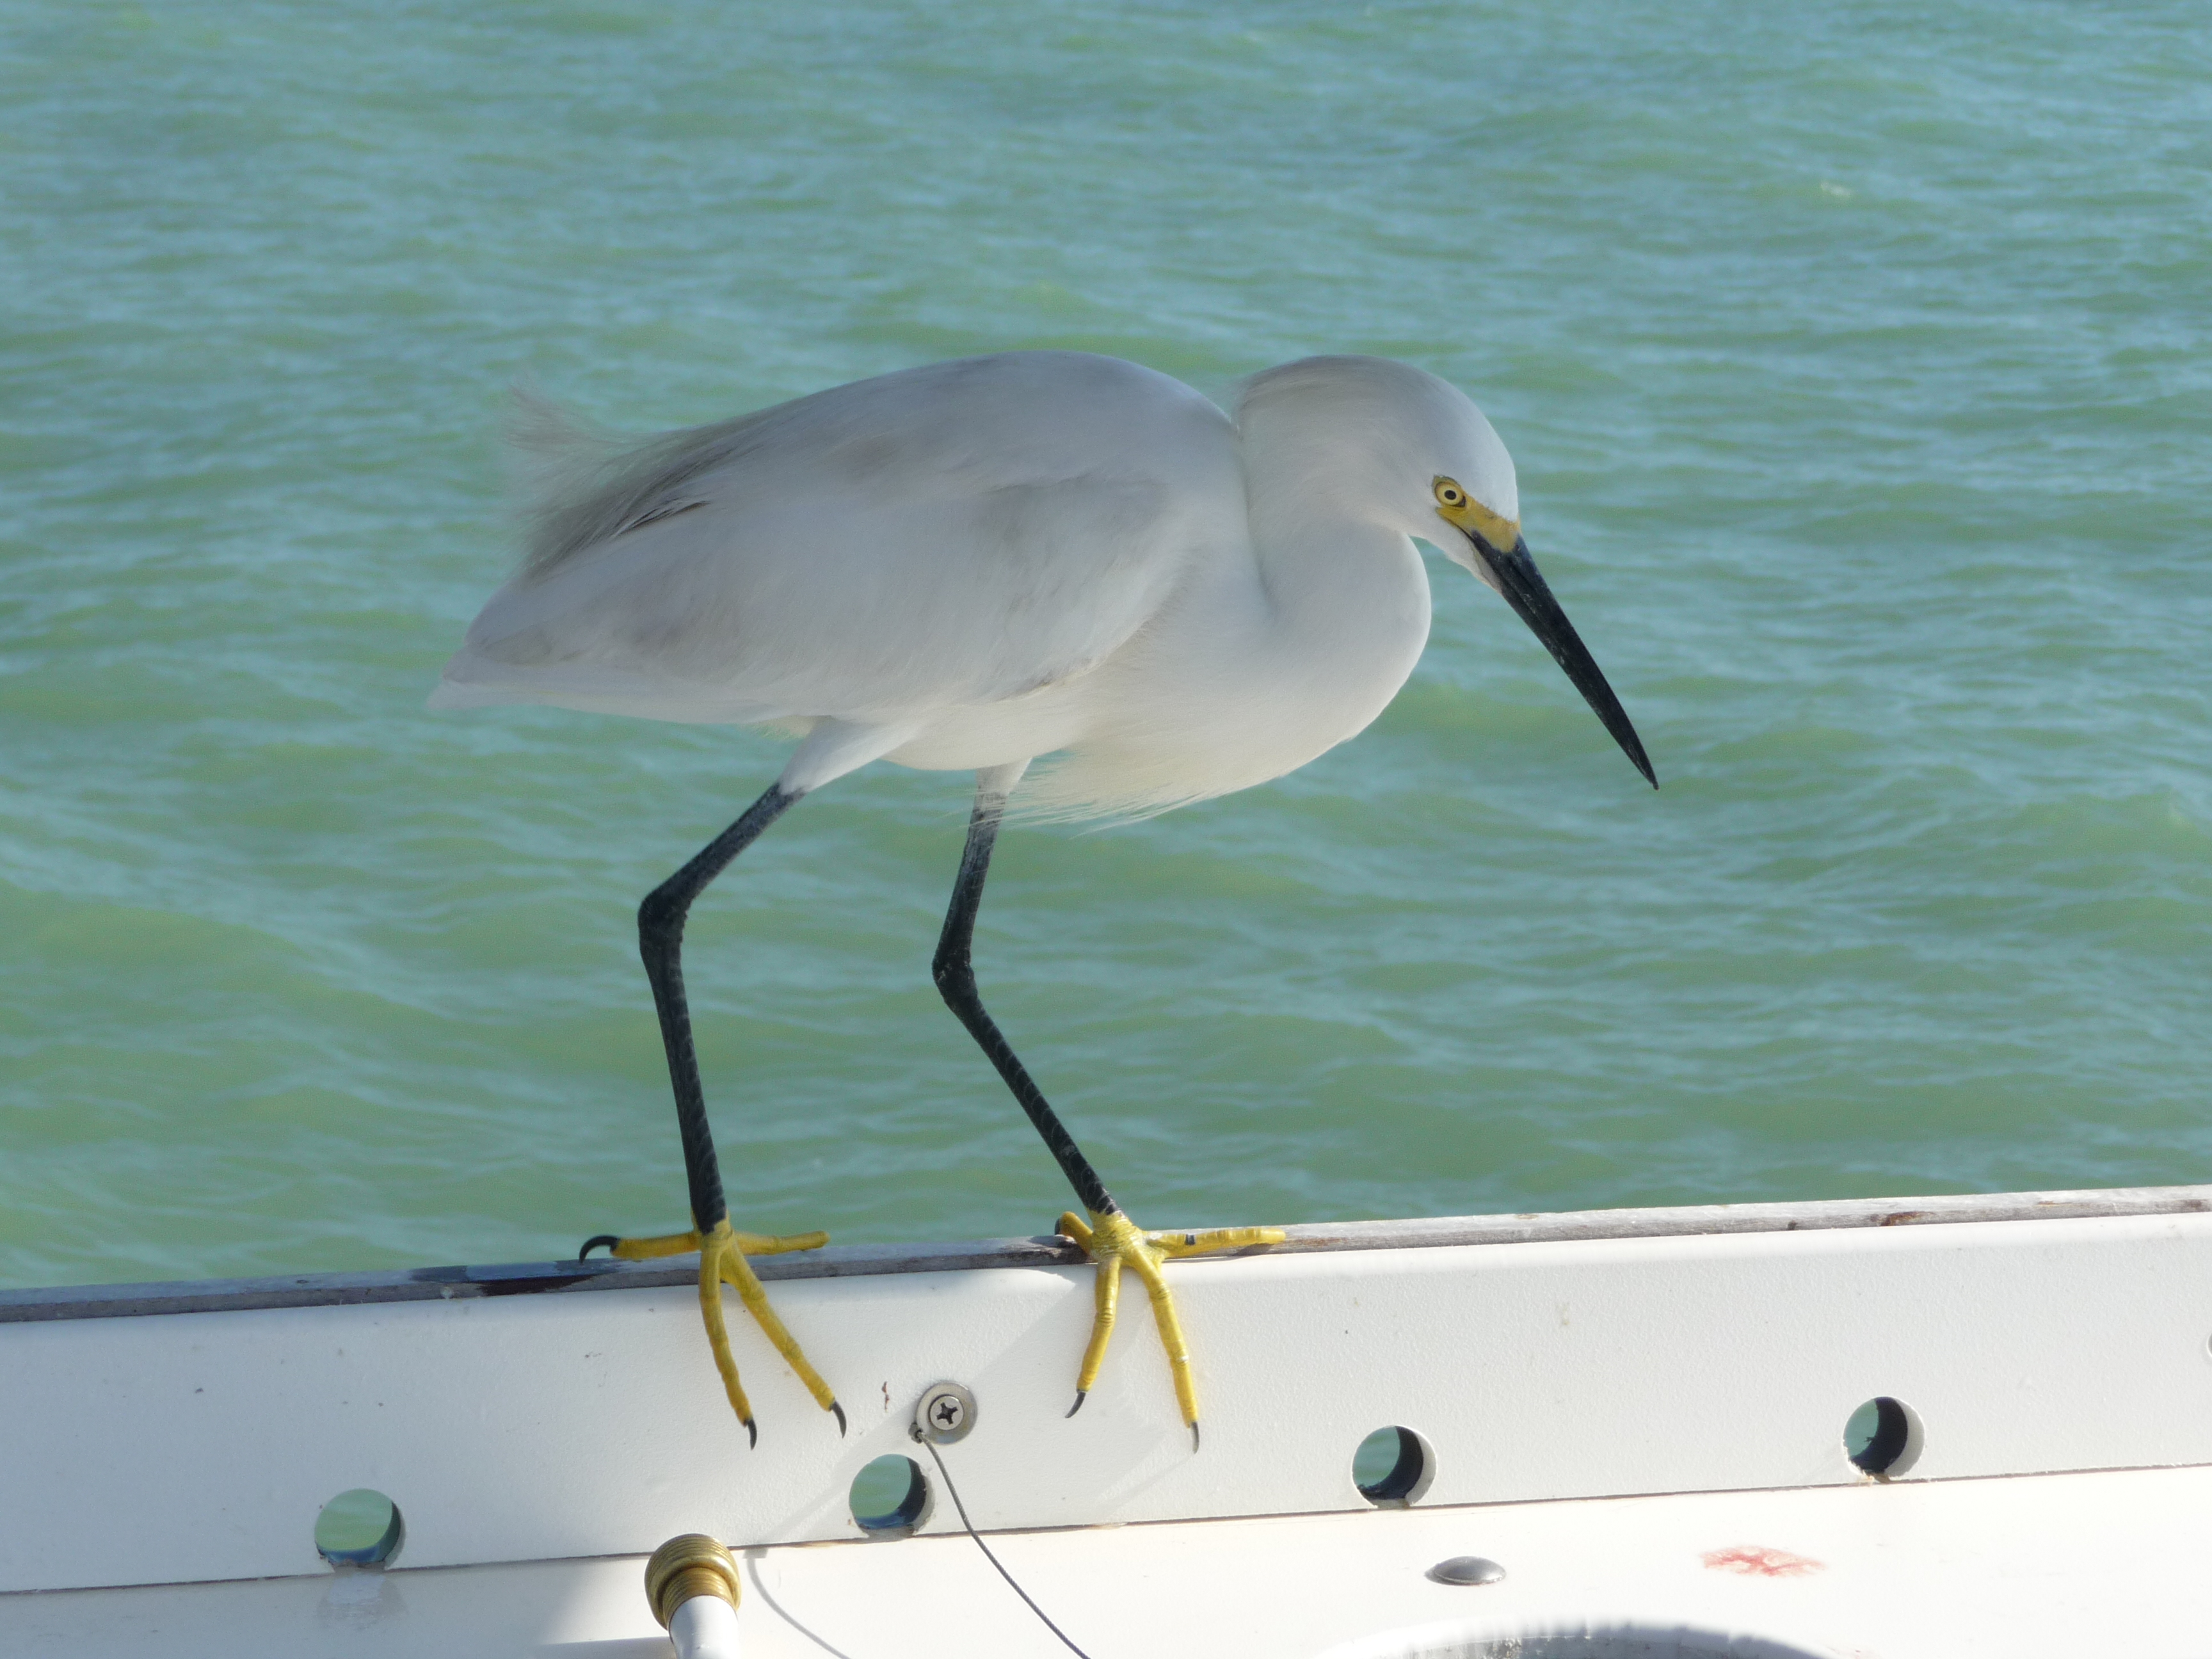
(958, 534)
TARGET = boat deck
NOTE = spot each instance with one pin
(2036, 1568)
(1639, 1416)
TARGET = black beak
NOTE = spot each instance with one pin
(1530, 596)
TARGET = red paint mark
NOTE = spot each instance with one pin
(1757, 1561)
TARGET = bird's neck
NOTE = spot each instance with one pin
(1347, 598)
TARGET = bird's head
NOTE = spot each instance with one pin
(1473, 516)
(1415, 451)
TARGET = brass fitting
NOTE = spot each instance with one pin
(690, 1564)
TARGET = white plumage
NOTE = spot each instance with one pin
(976, 564)
(972, 564)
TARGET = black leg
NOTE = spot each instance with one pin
(956, 980)
(660, 942)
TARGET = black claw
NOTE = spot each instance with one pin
(1193, 1437)
(840, 1410)
(1081, 1394)
(595, 1241)
(752, 1435)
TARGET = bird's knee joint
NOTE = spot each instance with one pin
(659, 916)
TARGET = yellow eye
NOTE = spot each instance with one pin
(1449, 493)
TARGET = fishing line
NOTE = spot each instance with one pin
(954, 1492)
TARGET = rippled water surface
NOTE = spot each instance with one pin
(1856, 365)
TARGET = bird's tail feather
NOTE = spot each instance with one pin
(554, 457)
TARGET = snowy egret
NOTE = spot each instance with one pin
(970, 565)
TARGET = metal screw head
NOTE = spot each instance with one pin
(1467, 1570)
(945, 1412)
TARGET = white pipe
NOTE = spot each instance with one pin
(705, 1627)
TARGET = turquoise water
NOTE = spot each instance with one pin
(1856, 365)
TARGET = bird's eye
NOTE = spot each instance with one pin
(1450, 494)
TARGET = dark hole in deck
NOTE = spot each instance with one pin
(889, 1497)
(1877, 1434)
(1391, 1467)
(361, 1527)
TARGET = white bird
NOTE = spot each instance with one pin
(975, 564)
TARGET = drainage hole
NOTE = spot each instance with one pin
(359, 1528)
(1877, 1433)
(1392, 1467)
(889, 1497)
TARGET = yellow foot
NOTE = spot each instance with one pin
(722, 1261)
(1113, 1241)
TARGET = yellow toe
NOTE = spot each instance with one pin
(1113, 1242)
(722, 1253)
